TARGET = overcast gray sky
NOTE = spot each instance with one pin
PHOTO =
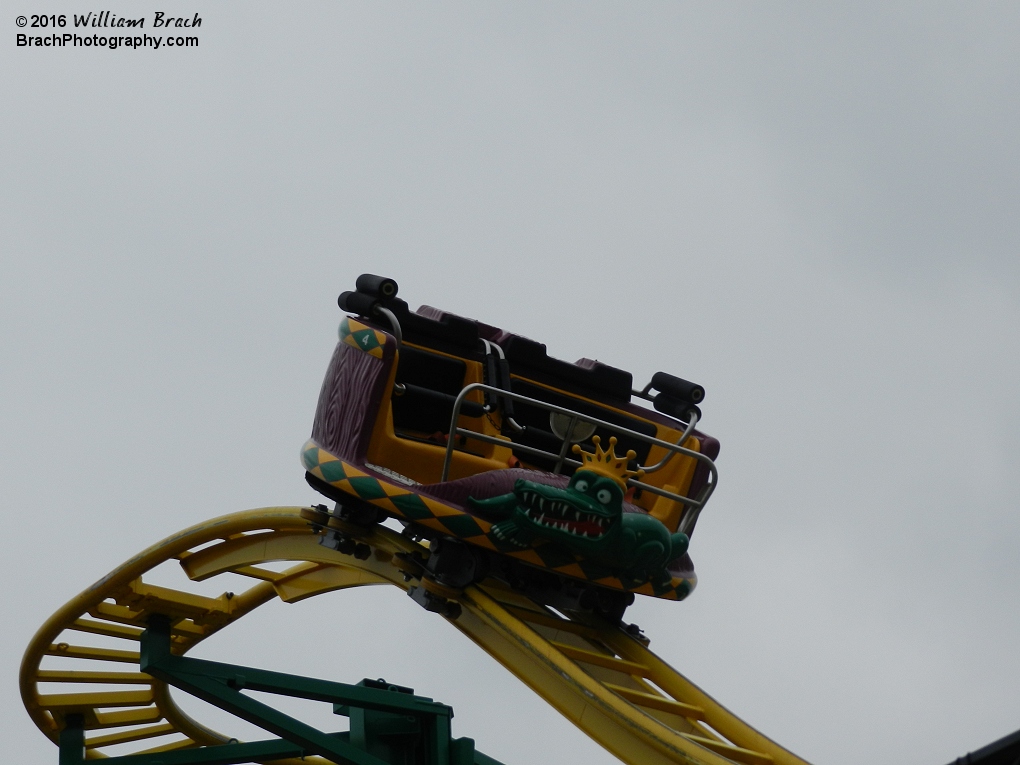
(809, 208)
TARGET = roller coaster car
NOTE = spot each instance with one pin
(477, 440)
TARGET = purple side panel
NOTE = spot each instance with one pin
(429, 312)
(486, 331)
(349, 401)
(682, 566)
(492, 483)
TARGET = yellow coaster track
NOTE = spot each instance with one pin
(602, 679)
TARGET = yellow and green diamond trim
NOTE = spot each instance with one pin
(362, 337)
(403, 502)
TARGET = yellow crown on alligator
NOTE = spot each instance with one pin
(606, 463)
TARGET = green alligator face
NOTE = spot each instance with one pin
(584, 515)
(585, 518)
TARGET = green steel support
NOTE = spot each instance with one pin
(72, 741)
(389, 725)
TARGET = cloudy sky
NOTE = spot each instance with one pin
(811, 209)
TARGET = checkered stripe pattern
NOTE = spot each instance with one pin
(396, 500)
(425, 511)
(362, 337)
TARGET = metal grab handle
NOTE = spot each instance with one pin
(694, 505)
(397, 334)
(669, 455)
(498, 369)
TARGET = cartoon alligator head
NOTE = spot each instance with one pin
(586, 518)
(584, 515)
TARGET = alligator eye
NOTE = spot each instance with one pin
(604, 496)
(581, 485)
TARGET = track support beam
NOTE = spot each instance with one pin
(389, 725)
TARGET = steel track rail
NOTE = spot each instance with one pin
(603, 680)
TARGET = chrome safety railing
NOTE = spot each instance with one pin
(693, 505)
